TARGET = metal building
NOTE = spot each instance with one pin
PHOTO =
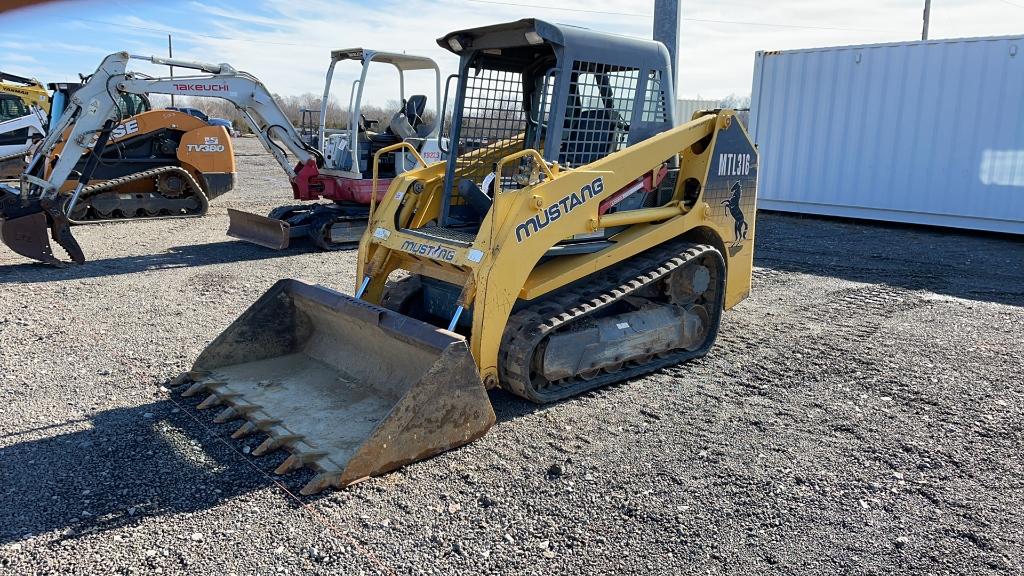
(918, 132)
(685, 107)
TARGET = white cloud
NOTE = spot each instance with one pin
(286, 42)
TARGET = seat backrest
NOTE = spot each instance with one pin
(415, 106)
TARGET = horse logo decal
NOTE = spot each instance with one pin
(740, 225)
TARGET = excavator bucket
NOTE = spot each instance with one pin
(268, 232)
(27, 228)
(351, 390)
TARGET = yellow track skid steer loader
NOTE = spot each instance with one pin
(574, 238)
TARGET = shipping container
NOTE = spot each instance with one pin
(919, 132)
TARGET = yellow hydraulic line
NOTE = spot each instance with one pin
(640, 216)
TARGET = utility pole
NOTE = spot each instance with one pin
(170, 54)
(667, 14)
(927, 17)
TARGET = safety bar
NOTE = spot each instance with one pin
(376, 168)
(528, 152)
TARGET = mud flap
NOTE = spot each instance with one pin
(267, 232)
(351, 390)
(25, 230)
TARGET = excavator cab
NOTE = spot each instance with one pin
(575, 237)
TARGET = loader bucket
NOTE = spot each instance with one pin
(27, 228)
(267, 232)
(350, 389)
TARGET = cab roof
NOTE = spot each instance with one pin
(400, 61)
(531, 31)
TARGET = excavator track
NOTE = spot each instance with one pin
(530, 327)
(191, 203)
(14, 156)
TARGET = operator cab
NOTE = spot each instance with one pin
(11, 108)
(349, 151)
(560, 90)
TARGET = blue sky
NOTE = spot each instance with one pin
(286, 42)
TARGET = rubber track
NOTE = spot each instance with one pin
(15, 156)
(151, 173)
(528, 327)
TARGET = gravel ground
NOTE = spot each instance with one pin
(861, 414)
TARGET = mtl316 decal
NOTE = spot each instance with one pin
(732, 186)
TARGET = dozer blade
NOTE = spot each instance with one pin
(268, 232)
(350, 389)
(27, 229)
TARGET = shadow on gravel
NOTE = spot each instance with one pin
(123, 465)
(972, 265)
(177, 257)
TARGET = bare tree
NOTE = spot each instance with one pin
(735, 102)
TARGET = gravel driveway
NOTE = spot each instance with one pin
(862, 413)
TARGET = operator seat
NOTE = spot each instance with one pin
(406, 122)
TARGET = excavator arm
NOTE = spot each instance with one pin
(90, 117)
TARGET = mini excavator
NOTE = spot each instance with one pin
(348, 154)
(91, 130)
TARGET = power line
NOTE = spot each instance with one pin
(187, 34)
(1012, 3)
(500, 3)
(584, 10)
(703, 20)
(163, 31)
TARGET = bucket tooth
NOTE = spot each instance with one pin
(211, 401)
(297, 460)
(319, 483)
(273, 443)
(245, 430)
(232, 412)
(194, 389)
(189, 376)
(200, 385)
(264, 423)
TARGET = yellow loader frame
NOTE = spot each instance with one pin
(500, 267)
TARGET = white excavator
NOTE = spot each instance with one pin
(38, 206)
(348, 152)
